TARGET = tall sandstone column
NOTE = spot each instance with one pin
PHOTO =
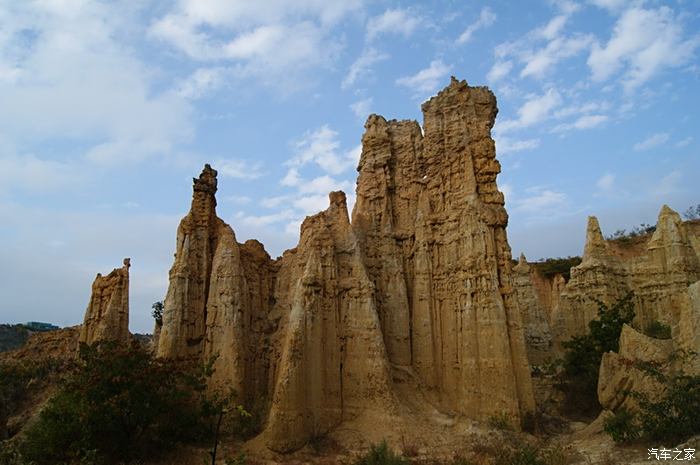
(431, 224)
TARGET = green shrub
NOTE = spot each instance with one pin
(579, 379)
(381, 455)
(554, 266)
(622, 426)
(528, 454)
(119, 404)
(658, 330)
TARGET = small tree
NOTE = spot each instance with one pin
(692, 213)
(581, 363)
(157, 313)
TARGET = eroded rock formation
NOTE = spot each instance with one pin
(658, 272)
(538, 337)
(107, 313)
(420, 281)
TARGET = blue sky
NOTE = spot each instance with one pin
(107, 110)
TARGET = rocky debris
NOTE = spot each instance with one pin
(419, 284)
(659, 276)
(538, 337)
(107, 314)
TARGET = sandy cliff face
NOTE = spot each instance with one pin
(107, 315)
(420, 282)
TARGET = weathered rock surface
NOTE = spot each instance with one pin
(107, 313)
(618, 374)
(419, 283)
(538, 337)
(658, 274)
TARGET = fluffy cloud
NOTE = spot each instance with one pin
(644, 43)
(322, 147)
(541, 200)
(259, 40)
(606, 182)
(583, 122)
(507, 145)
(535, 110)
(396, 21)
(78, 79)
(486, 18)
(426, 80)
(499, 70)
(238, 169)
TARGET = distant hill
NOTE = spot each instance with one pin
(12, 336)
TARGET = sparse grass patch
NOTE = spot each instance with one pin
(381, 454)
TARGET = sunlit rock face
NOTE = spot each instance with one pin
(107, 314)
(419, 281)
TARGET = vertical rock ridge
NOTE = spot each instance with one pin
(107, 314)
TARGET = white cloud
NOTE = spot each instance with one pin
(499, 70)
(539, 62)
(239, 199)
(684, 143)
(644, 43)
(238, 169)
(322, 148)
(540, 59)
(507, 145)
(362, 108)
(583, 122)
(540, 201)
(486, 18)
(611, 5)
(652, 141)
(426, 80)
(535, 110)
(397, 21)
(274, 43)
(201, 83)
(80, 81)
(362, 66)
(606, 182)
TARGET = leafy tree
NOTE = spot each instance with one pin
(157, 313)
(117, 405)
(692, 212)
(579, 380)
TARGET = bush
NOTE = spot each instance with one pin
(119, 404)
(672, 417)
(528, 454)
(381, 455)
(579, 380)
(658, 330)
(622, 426)
(554, 266)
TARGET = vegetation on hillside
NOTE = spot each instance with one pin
(118, 404)
(581, 363)
(624, 237)
(12, 337)
(554, 266)
(692, 212)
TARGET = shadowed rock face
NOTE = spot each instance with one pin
(419, 281)
(107, 314)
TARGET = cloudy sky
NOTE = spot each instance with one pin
(107, 110)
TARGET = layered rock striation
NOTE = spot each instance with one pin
(107, 314)
(420, 281)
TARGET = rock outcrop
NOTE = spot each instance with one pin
(419, 282)
(658, 272)
(619, 374)
(538, 336)
(107, 313)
